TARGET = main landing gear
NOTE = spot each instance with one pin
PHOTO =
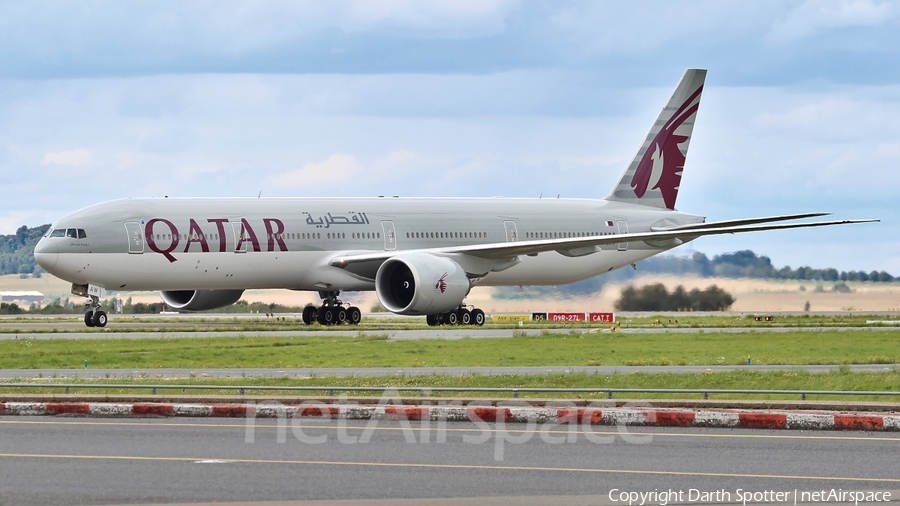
(95, 317)
(461, 316)
(332, 311)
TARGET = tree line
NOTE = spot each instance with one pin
(739, 264)
(17, 251)
(657, 297)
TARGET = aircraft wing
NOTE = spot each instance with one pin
(736, 223)
(578, 246)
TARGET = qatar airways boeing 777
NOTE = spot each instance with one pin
(420, 255)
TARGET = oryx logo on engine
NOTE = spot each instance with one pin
(441, 284)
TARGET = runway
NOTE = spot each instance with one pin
(143, 461)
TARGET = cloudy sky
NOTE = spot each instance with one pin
(801, 110)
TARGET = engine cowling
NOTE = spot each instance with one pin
(200, 300)
(420, 284)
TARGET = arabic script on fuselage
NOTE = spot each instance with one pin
(163, 236)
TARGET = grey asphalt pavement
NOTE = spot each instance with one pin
(63, 461)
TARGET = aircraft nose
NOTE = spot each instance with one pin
(46, 253)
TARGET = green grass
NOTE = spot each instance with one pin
(140, 323)
(754, 380)
(575, 349)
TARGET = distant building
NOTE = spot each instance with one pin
(23, 297)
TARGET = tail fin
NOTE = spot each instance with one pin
(654, 174)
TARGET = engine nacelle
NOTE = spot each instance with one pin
(420, 284)
(200, 300)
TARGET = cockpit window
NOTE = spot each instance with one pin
(81, 234)
(59, 232)
(71, 232)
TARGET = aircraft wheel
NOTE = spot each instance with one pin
(464, 317)
(354, 316)
(477, 317)
(340, 315)
(89, 318)
(451, 318)
(309, 315)
(431, 320)
(325, 316)
(100, 319)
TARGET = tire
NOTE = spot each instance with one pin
(100, 319)
(354, 316)
(431, 320)
(451, 318)
(464, 317)
(309, 315)
(477, 317)
(89, 318)
(325, 316)
(340, 315)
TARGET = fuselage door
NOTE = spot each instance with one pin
(623, 229)
(390, 236)
(241, 238)
(135, 237)
(511, 235)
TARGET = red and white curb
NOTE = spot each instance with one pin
(491, 414)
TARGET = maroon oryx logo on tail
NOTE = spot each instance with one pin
(662, 163)
(441, 284)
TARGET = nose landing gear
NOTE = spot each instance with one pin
(95, 317)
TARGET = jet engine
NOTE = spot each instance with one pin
(200, 300)
(420, 284)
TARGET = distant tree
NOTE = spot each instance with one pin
(10, 308)
(17, 250)
(711, 299)
(656, 297)
(841, 287)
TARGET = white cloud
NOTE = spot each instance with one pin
(460, 18)
(13, 220)
(75, 158)
(398, 163)
(336, 168)
(629, 28)
(831, 112)
(888, 149)
(815, 16)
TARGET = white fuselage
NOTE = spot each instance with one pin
(213, 243)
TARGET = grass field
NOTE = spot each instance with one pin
(575, 349)
(842, 380)
(261, 323)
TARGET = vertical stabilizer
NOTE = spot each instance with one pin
(654, 174)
